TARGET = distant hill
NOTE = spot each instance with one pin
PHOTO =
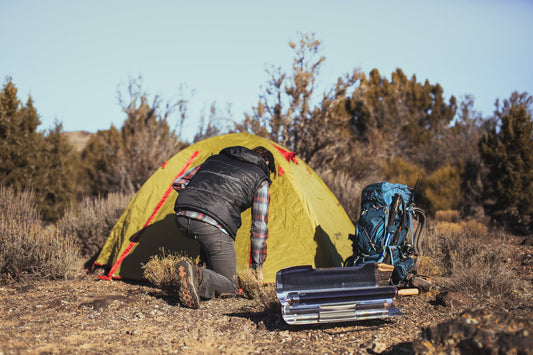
(78, 139)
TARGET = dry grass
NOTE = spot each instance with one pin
(253, 287)
(448, 228)
(428, 266)
(474, 227)
(160, 271)
(92, 220)
(27, 248)
(476, 263)
(449, 224)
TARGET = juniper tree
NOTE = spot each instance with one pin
(32, 160)
(20, 142)
(57, 186)
(402, 117)
(463, 151)
(507, 152)
(103, 165)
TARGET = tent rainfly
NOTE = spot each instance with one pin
(307, 225)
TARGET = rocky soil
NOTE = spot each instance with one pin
(92, 316)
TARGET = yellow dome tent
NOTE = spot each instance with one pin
(307, 225)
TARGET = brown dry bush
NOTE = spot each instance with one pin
(27, 247)
(477, 264)
(15, 205)
(92, 220)
(448, 216)
(161, 271)
(253, 287)
(346, 189)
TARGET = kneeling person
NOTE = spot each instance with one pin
(211, 198)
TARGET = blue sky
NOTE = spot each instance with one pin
(73, 57)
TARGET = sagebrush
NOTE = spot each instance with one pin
(477, 263)
(27, 247)
(92, 219)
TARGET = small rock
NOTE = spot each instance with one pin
(378, 347)
(527, 241)
(477, 331)
(453, 299)
(261, 326)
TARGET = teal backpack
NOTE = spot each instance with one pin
(384, 232)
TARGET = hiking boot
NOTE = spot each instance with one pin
(190, 277)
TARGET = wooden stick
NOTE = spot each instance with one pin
(408, 292)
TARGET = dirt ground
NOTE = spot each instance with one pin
(92, 316)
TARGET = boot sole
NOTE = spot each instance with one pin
(188, 295)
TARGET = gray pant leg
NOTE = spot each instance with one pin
(221, 275)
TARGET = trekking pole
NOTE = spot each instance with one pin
(390, 226)
(409, 211)
(403, 221)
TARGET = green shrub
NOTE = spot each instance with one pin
(27, 248)
(442, 189)
(507, 153)
(92, 220)
(448, 216)
(397, 170)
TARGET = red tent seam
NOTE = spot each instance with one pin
(289, 156)
(150, 219)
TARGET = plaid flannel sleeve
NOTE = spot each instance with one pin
(259, 232)
(184, 179)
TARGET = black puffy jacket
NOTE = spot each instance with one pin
(225, 186)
